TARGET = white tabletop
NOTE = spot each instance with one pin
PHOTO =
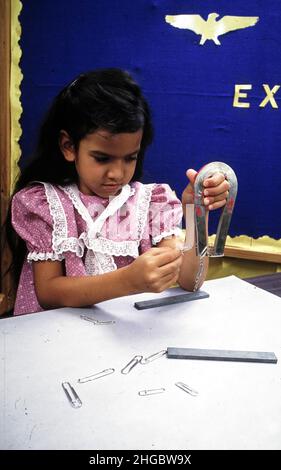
(238, 405)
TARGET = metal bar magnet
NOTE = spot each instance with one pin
(222, 355)
(171, 300)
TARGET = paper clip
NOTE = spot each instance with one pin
(72, 396)
(133, 362)
(186, 389)
(98, 375)
(96, 322)
(153, 391)
(154, 356)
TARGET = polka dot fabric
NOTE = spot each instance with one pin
(34, 223)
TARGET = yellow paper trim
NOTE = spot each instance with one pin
(243, 268)
(263, 244)
(15, 93)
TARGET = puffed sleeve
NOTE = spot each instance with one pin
(33, 222)
(165, 213)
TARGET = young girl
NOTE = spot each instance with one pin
(83, 228)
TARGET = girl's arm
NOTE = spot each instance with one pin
(192, 274)
(190, 265)
(154, 271)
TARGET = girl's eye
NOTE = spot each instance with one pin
(132, 158)
(102, 159)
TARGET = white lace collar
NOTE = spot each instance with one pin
(100, 251)
(94, 227)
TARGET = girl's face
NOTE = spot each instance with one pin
(104, 162)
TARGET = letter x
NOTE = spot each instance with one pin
(269, 96)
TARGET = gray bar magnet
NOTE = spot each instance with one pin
(174, 299)
(222, 355)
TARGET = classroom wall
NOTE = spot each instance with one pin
(196, 91)
(209, 102)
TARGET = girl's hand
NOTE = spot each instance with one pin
(215, 190)
(155, 270)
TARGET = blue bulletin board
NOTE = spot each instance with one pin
(209, 102)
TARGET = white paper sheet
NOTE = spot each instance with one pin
(238, 406)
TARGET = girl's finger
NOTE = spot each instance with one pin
(217, 205)
(191, 174)
(211, 199)
(215, 190)
(171, 268)
(214, 180)
(170, 281)
(168, 257)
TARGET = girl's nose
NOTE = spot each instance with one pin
(116, 171)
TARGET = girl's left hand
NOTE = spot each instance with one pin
(215, 190)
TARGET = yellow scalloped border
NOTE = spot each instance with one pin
(263, 244)
(16, 77)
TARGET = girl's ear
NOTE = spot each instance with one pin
(66, 146)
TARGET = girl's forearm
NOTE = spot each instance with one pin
(191, 266)
(190, 269)
(63, 291)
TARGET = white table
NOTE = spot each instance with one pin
(238, 406)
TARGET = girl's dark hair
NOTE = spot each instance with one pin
(106, 99)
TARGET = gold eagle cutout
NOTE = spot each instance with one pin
(211, 29)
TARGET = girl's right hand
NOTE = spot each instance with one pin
(155, 270)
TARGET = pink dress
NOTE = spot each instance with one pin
(91, 235)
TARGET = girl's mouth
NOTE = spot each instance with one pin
(111, 187)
